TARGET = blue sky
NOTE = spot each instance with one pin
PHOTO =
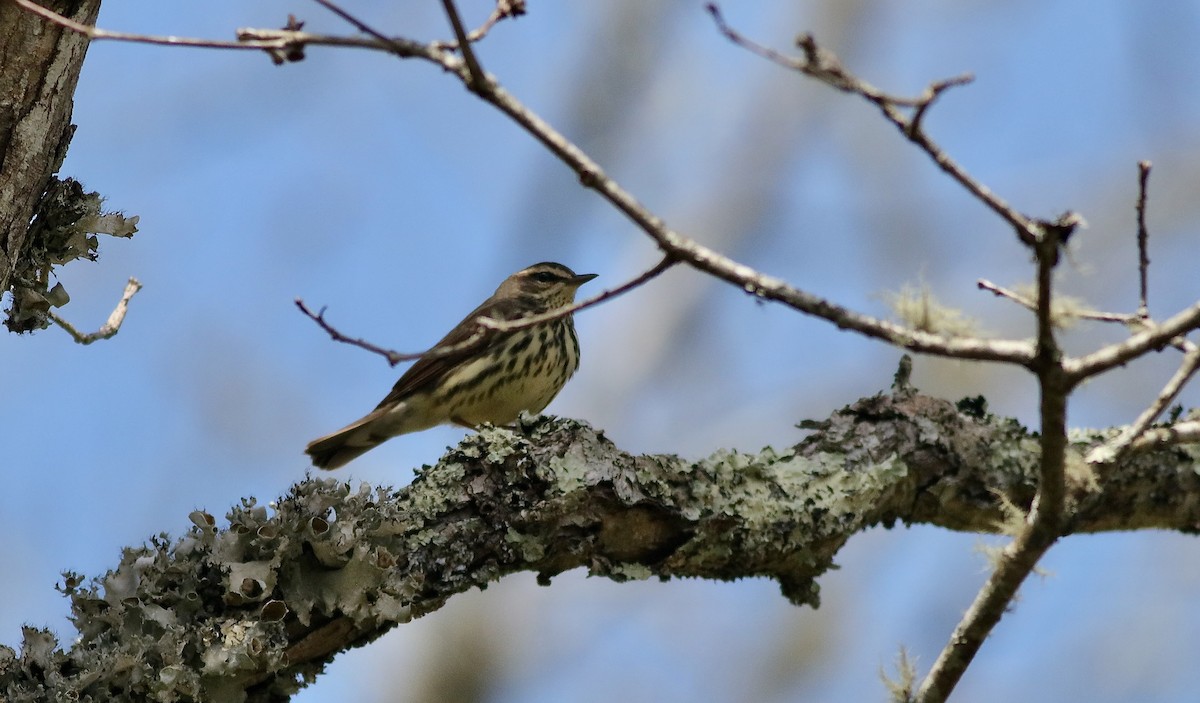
(383, 190)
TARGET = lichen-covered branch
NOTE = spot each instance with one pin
(253, 607)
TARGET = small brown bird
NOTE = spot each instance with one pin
(492, 381)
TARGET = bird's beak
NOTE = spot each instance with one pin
(583, 278)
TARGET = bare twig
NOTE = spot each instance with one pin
(823, 65)
(1123, 442)
(393, 357)
(358, 24)
(931, 94)
(672, 243)
(96, 33)
(276, 42)
(1123, 318)
(1045, 238)
(503, 10)
(1143, 238)
(1153, 337)
(1002, 292)
(487, 325)
(1134, 321)
(110, 327)
(1137, 432)
(476, 78)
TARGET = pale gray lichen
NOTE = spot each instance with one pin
(64, 228)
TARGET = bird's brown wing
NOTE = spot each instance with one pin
(431, 368)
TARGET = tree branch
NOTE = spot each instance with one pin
(673, 244)
(823, 65)
(1042, 526)
(110, 328)
(476, 79)
(1123, 442)
(503, 10)
(393, 357)
(281, 44)
(1143, 239)
(260, 606)
(1154, 338)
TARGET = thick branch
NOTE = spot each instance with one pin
(261, 605)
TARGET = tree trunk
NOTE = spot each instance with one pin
(39, 68)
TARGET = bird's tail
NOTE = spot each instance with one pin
(337, 449)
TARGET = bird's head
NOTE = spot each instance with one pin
(543, 287)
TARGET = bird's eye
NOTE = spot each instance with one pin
(544, 277)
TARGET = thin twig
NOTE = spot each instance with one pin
(487, 326)
(96, 33)
(393, 357)
(1123, 318)
(111, 326)
(1125, 441)
(825, 66)
(931, 94)
(691, 253)
(476, 78)
(1135, 322)
(503, 10)
(1143, 238)
(358, 24)
(276, 42)
(672, 243)
(1154, 336)
(1113, 450)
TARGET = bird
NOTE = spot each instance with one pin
(491, 380)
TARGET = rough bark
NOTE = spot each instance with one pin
(39, 68)
(254, 610)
